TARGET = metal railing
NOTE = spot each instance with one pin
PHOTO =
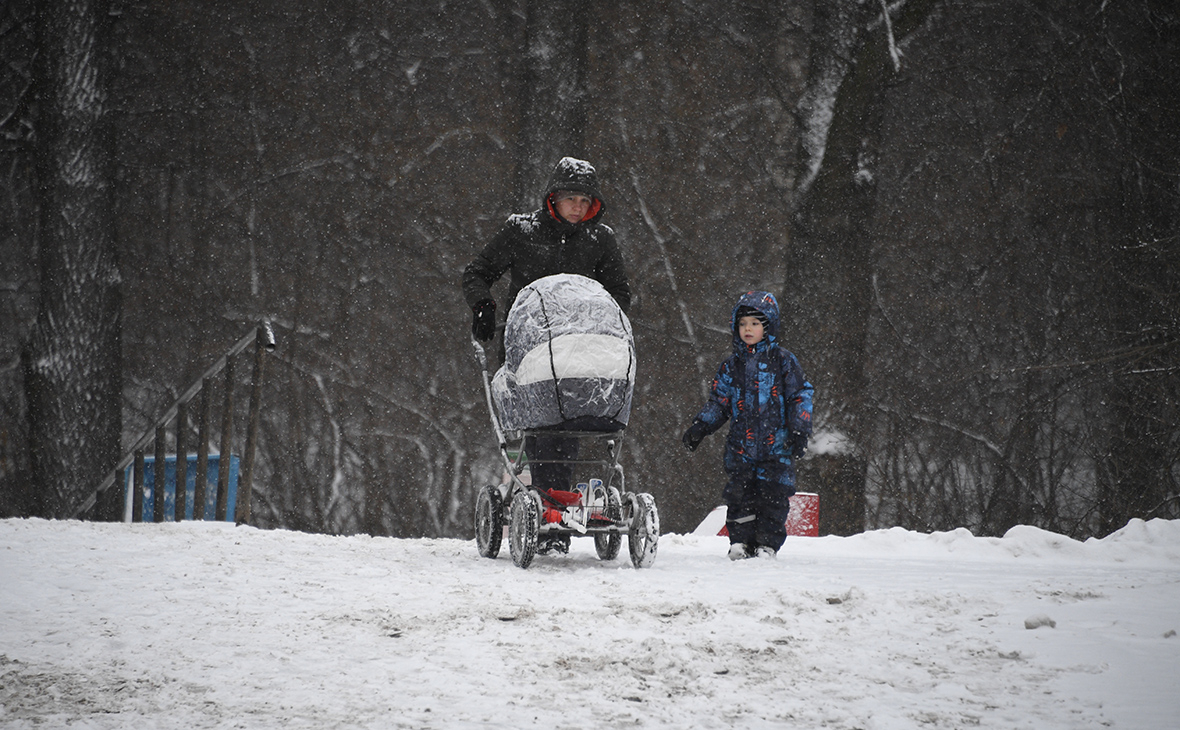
(102, 504)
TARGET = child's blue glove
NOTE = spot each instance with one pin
(798, 445)
(694, 435)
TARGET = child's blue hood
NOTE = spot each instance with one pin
(764, 302)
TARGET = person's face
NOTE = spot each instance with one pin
(573, 209)
(750, 330)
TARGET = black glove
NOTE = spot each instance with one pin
(483, 321)
(798, 446)
(694, 435)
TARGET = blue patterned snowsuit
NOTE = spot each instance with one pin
(762, 391)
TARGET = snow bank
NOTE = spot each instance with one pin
(206, 625)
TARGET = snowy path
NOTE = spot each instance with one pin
(205, 625)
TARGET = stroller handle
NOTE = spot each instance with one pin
(480, 355)
(482, 358)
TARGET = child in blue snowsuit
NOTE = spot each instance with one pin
(761, 390)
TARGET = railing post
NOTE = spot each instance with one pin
(227, 432)
(202, 477)
(138, 494)
(160, 475)
(181, 460)
(264, 341)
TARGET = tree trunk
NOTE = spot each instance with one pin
(73, 360)
(831, 253)
(553, 118)
(1137, 474)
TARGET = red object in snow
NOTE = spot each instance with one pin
(802, 521)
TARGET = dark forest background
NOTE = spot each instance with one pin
(970, 212)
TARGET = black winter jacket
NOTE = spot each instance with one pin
(540, 243)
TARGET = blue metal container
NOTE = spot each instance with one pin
(149, 483)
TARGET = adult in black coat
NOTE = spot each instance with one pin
(564, 236)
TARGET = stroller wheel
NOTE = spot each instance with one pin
(607, 544)
(489, 522)
(523, 527)
(644, 534)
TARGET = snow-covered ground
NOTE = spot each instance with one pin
(209, 625)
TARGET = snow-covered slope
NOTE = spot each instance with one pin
(205, 625)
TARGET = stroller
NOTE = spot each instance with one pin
(568, 375)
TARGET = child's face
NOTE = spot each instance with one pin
(750, 330)
(574, 208)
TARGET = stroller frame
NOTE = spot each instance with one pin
(521, 508)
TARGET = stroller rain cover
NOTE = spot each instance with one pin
(568, 353)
